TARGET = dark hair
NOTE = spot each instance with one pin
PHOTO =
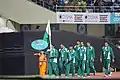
(37, 27)
(61, 44)
(70, 45)
(78, 40)
(105, 42)
(88, 41)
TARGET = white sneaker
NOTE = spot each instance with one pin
(66, 76)
(78, 75)
(105, 76)
(110, 74)
(57, 76)
(88, 76)
(83, 77)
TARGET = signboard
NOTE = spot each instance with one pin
(65, 18)
(115, 18)
(83, 18)
(39, 44)
(82, 28)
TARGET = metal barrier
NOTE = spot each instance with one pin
(90, 9)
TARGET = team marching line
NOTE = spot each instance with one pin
(82, 57)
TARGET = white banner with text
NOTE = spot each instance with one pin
(83, 18)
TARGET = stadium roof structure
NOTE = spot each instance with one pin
(3, 28)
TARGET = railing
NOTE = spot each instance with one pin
(92, 9)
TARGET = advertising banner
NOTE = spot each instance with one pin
(83, 18)
(115, 18)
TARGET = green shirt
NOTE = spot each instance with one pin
(77, 49)
(83, 53)
(107, 53)
(90, 53)
(72, 55)
(52, 55)
(63, 53)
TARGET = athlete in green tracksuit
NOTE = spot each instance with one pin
(70, 65)
(77, 59)
(82, 58)
(52, 61)
(90, 59)
(62, 58)
(107, 55)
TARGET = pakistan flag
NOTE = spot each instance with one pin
(47, 34)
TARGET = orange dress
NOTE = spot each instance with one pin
(42, 64)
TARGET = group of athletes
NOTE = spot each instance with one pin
(78, 57)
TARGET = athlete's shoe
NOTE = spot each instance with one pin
(110, 74)
(94, 73)
(105, 75)
(78, 76)
(88, 76)
(57, 76)
(83, 77)
(66, 76)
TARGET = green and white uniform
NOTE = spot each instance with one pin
(77, 59)
(70, 65)
(90, 60)
(108, 55)
(76, 48)
(82, 59)
(62, 58)
(52, 61)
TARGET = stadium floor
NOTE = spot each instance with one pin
(115, 75)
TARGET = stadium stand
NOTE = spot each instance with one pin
(80, 5)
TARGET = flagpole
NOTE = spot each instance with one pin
(50, 33)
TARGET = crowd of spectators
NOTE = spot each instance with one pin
(63, 2)
(52, 4)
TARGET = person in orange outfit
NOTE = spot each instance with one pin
(42, 63)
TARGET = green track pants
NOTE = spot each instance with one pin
(68, 67)
(107, 66)
(81, 69)
(53, 67)
(90, 65)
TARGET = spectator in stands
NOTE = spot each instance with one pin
(34, 1)
(117, 6)
(90, 2)
(55, 2)
(118, 2)
(37, 27)
(61, 2)
(118, 32)
(108, 2)
(66, 2)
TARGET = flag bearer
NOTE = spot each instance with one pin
(70, 65)
(77, 59)
(42, 63)
(107, 55)
(62, 57)
(82, 53)
(52, 61)
(90, 59)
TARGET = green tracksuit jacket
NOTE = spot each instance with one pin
(107, 55)
(90, 59)
(52, 61)
(62, 59)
